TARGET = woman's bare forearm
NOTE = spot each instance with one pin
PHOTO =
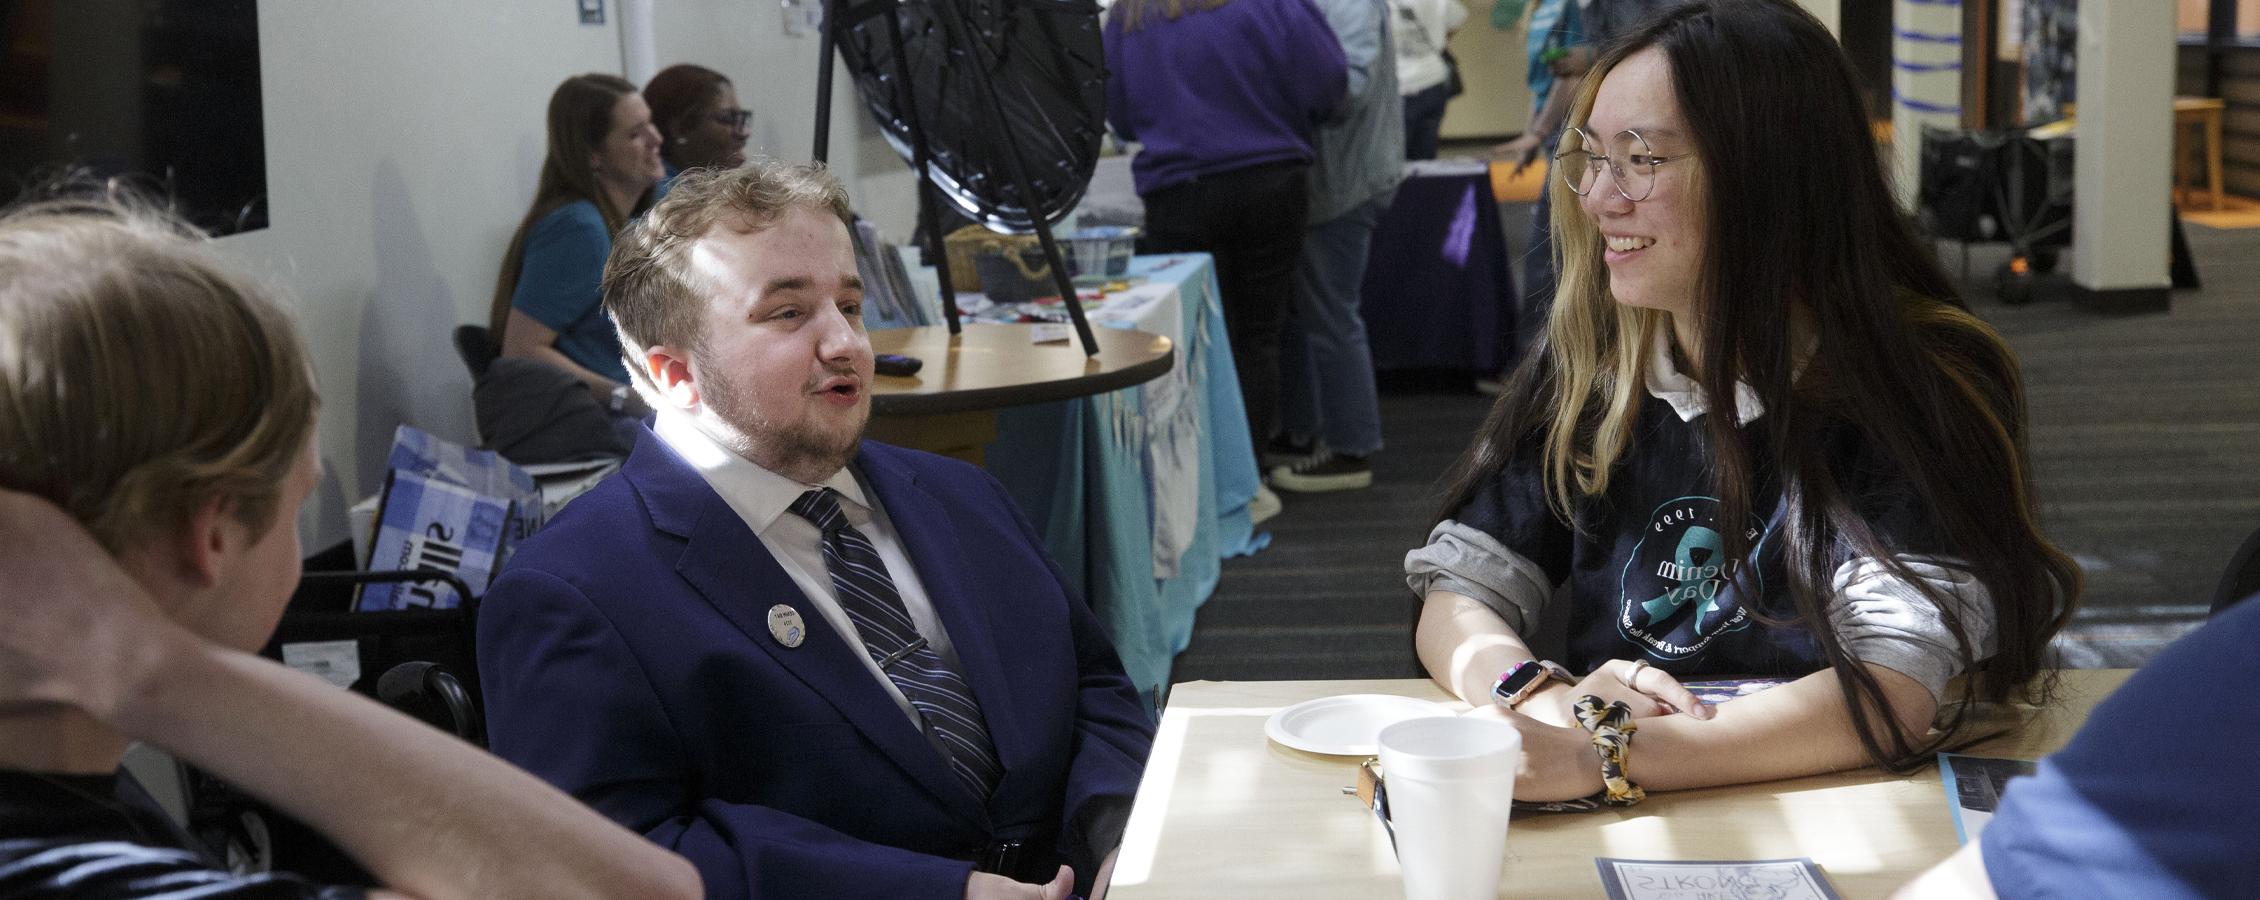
(1800, 728)
(528, 338)
(1464, 645)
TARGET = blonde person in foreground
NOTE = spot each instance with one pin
(156, 436)
(1761, 437)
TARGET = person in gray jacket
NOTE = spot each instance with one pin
(1330, 418)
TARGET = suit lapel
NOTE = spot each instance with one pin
(730, 569)
(929, 536)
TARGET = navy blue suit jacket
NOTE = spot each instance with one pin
(627, 659)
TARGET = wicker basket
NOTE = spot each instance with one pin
(970, 241)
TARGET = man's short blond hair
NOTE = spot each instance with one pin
(648, 285)
(141, 377)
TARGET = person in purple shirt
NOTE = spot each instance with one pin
(1225, 98)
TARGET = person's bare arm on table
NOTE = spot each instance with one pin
(427, 814)
(1801, 728)
(1465, 647)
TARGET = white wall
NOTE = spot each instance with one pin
(1494, 68)
(1830, 12)
(775, 76)
(403, 141)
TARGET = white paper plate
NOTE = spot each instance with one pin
(1344, 725)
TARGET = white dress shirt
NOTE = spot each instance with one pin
(764, 499)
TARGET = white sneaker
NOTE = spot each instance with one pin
(1265, 505)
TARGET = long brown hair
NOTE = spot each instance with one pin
(580, 116)
(1801, 219)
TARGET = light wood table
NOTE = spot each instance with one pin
(2204, 115)
(1223, 812)
(950, 406)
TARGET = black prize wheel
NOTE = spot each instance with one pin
(1042, 62)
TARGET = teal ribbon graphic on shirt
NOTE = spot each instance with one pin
(1696, 546)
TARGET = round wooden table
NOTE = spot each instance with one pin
(950, 406)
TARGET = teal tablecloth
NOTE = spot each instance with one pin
(1141, 493)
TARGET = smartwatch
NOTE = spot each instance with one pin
(1525, 679)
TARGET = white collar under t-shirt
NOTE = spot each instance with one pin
(764, 499)
(1667, 383)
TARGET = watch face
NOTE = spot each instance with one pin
(1517, 678)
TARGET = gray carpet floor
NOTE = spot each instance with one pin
(2145, 444)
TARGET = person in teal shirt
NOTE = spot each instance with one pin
(602, 162)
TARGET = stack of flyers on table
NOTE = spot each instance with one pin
(450, 508)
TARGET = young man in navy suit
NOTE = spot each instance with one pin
(814, 665)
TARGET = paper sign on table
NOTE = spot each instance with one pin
(1714, 879)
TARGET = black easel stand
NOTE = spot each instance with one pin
(838, 16)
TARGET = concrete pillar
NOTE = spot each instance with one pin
(639, 56)
(2122, 179)
(1926, 82)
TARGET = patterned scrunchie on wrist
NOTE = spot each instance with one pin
(1612, 728)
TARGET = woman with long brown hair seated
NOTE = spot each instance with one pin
(602, 162)
(1762, 437)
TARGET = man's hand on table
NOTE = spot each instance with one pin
(80, 631)
(985, 886)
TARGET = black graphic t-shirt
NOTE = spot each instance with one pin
(1646, 563)
(97, 837)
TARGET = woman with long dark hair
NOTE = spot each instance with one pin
(602, 162)
(1762, 437)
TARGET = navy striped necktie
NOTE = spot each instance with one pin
(941, 695)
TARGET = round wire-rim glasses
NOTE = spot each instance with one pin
(1636, 170)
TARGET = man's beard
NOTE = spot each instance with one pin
(800, 451)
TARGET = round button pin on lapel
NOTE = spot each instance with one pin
(785, 625)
